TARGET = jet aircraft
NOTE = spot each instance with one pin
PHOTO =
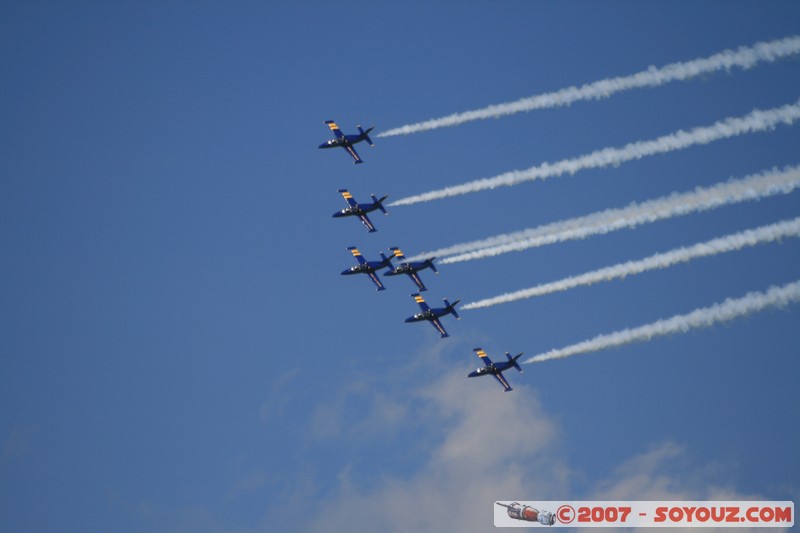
(360, 210)
(368, 267)
(411, 268)
(433, 315)
(495, 369)
(347, 141)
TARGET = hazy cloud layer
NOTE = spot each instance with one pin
(489, 446)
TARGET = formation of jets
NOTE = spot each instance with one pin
(409, 268)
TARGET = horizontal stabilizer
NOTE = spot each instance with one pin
(378, 202)
(365, 135)
(513, 360)
(451, 307)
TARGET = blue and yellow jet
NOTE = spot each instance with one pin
(360, 210)
(433, 315)
(411, 268)
(368, 267)
(347, 141)
(495, 369)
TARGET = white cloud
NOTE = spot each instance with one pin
(488, 446)
(641, 477)
(665, 472)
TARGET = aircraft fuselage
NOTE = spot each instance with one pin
(366, 268)
(343, 142)
(494, 368)
(422, 316)
(361, 209)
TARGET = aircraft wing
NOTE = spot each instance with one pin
(352, 152)
(485, 358)
(438, 325)
(398, 254)
(365, 219)
(348, 197)
(415, 278)
(422, 305)
(334, 128)
(499, 377)
(357, 255)
(376, 281)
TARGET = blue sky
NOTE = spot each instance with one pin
(180, 353)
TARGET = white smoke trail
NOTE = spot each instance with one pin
(728, 243)
(753, 187)
(755, 121)
(743, 57)
(700, 318)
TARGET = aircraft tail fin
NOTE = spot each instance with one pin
(387, 261)
(451, 307)
(513, 361)
(379, 203)
(365, 134)
(429, 262)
